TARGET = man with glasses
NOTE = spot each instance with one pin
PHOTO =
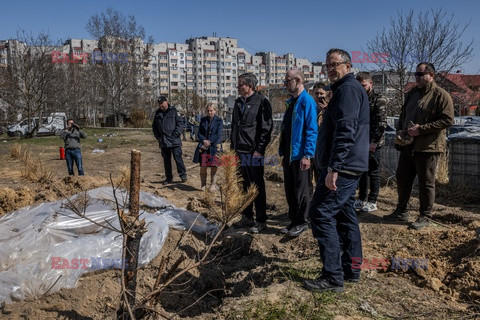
(298, 140)
(425, 115)
(343, 157)
(251, 132)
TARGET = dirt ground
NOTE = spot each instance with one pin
(260, 276)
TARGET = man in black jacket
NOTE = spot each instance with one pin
(167, 129)
(343, 157)
(251, 133)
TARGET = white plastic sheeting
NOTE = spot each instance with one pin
(32, 236)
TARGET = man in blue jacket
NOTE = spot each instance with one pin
(167, 128)
(343, 152)
(297, 146)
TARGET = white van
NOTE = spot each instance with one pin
(48, 126)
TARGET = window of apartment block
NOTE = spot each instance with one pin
(174, 60)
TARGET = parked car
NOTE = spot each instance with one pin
(48, 125)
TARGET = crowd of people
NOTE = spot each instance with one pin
(332, 135)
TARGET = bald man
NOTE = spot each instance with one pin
(297, 146)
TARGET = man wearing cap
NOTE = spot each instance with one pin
(167, 129)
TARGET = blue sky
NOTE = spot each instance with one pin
(305, 28)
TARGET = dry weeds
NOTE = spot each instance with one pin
(33, 170)
(233, 198)
(442, 168)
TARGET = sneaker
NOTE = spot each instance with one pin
(421, 223)
(258, 227)
(287, 229)
(322, 285)
(369, 207)
(166, 181)
(184, 179)
(397, 215)
(358, 205)
(297, 230)
(244, 223)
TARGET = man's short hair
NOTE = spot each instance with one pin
(342, 53)
(249, 79)
(428, 66)
(364, 76)
(321, 85)
(70, 120)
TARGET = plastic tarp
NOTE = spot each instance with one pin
(42, 246)
(468, 133)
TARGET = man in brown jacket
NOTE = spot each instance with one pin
(426, 113)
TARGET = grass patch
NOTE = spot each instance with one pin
(289, 308)
(298, 273)
(111, 138)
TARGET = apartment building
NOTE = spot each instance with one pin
(207, 66)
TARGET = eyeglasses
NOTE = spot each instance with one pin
(420, 74)
(334, 64)
(287, 81)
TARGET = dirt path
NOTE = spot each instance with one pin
(263, 278)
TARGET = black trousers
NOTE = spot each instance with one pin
(252, 173)
(297, 191)
(167, 162)
(410, 165)
(372, 177)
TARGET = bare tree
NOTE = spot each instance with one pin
(431, 36)
(119, 79)
(30, 82)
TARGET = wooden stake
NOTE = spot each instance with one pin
(134, 232)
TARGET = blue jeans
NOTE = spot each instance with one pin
(74, 155)
(335, 227)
